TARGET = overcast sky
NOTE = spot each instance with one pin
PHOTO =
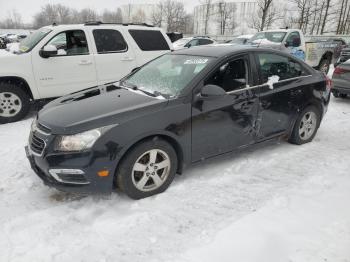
(27, 8)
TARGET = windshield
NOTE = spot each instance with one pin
(29, 42)
(276, 37)
(167, 75)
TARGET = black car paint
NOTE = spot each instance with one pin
(196, 127)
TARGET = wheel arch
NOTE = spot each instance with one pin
(328, 56)
(168, 138)
(18, 81)
(302, 108)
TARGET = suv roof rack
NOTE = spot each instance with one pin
(124, 24)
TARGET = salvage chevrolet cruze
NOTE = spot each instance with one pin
(178, 109)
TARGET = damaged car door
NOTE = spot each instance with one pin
(224, 120)
(285, 86)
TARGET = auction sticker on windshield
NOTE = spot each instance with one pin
(196, 61)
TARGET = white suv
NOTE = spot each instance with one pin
(58, 60)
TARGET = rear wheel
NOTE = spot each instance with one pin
(324, 65)
(14, 103)
(306, 126)
(148, 169)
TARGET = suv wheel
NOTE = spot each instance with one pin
(14, 103)
(306, 126)
(148, 169)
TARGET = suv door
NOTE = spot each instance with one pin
(226, 123)
(282, 100)
(113, 55)
(71, 70)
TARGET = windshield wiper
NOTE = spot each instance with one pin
(135, 87)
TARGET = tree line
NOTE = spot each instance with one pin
(311, 16)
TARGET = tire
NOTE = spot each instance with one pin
(302, 134)
(14, 103)
(336, 94)
(138, 175)
(324, 65)
(343, 95)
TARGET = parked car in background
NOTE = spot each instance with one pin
(58, 60)
(344, 56)
(341, 80)
(240, 40)
(188, 42)
(317, 53)
(178, 109)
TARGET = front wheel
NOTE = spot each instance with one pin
(14, 103)
(148, 169)
(306, 126)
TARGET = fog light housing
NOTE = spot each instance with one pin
(69, 176)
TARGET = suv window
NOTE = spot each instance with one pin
(149, 40)
(205, 41)
(109, 41)
(230, 76)
(71, 42)
(282, 66)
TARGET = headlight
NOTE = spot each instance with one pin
(79, 141)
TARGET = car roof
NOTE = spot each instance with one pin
(216, 50)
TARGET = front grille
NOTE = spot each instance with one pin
(43, 128)
(37, 145)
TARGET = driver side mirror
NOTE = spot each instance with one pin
(48, 51)
(212, 92)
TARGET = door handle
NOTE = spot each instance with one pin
(85, 62)
(127, 58)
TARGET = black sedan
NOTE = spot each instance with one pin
(176, 110)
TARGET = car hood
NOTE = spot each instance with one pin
(96, 107)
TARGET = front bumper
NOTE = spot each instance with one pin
(47, 167)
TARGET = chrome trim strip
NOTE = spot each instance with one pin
(54, 173)
(252, 87)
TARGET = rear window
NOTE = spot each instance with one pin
(109, 41)
(149, 40)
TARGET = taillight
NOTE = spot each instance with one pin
(338, 71)
(329, 82)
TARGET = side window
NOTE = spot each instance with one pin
(205, 41)
(70, 43)
(293, 40)
(276, 65)
(109, 41)
(149, 40)
(231, 76)
(193, 42)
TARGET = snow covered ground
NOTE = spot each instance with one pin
(279, 202)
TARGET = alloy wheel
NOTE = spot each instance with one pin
(151, 170)
(308, 125)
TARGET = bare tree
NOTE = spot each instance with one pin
(112, 16)
(208, 7)
(174, 14)
(266, 15)
(139, 17)
(12, 21)
(157, 15)
(226, 13)
(325, 16)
